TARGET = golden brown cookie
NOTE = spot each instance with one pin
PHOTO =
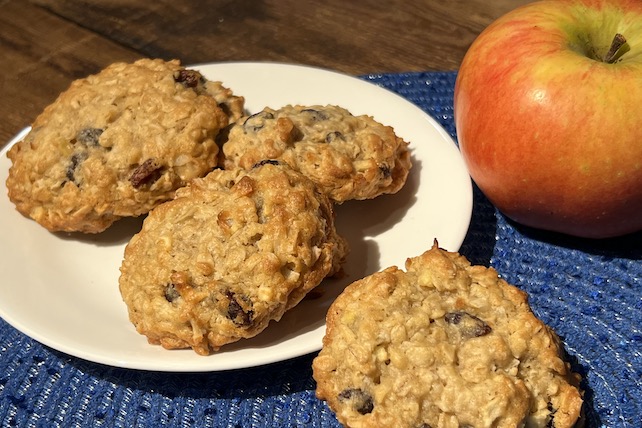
(349, 157)
(443, 344)
(231, 253)
(118, 143)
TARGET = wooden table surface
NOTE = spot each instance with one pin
(45, 44)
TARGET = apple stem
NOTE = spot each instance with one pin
(616, 45)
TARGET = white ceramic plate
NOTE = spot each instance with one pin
(62, 289)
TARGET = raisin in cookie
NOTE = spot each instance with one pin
(443, 344)
(118, 143)
(232, 252)
(349, 157)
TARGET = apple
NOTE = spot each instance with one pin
(548, 113)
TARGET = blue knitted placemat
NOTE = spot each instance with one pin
(589, 292)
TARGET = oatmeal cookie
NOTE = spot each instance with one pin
(349, 157)
(232, 252)
(118, 143)
(443, 344)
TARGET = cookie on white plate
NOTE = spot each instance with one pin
(233, 252)
(118, 143)
(348, 157)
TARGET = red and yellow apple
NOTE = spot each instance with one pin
(548, 112)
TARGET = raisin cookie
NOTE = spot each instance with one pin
(232, 252)
(349, 157)
(118, 143)
(443, 344)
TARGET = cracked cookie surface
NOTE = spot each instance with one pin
(118, 143)
(442, 344)
(349, 157)
(231, 253)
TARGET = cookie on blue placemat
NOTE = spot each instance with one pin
(118, 143)
(442, 344)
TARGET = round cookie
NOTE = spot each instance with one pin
(118, 143)
(443, 344)
(232, 252)
(349, 157)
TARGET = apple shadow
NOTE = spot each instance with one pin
(626, 246)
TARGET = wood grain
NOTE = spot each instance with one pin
(45, 44)
(351, 36)
(39, 61)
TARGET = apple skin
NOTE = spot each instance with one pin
(551, 135)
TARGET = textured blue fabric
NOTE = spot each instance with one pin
(590, 292)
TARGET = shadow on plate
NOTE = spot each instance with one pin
(117, 234)
(361, 221)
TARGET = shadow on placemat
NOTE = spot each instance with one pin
(480, 240)
(590, 415)
(624, 247)
(41, 386)
(284, 377)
